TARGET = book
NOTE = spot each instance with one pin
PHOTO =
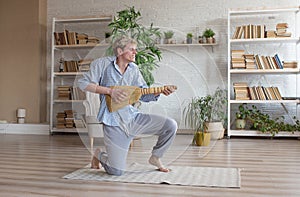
(278, 61)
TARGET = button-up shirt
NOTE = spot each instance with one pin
(105, 72)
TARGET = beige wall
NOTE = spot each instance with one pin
(22, 54)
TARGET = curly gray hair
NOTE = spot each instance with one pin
(121, 43)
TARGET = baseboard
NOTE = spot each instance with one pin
(43, 129)
(185, 131)
(38, 129)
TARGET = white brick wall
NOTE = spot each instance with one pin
(196, 71)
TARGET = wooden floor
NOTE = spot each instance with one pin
(33, 165)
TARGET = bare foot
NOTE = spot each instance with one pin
(95, 164)
(156, 162)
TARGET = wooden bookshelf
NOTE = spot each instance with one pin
(73, 38)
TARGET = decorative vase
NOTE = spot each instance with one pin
(240, 123)
(202, 138)
(216, 129)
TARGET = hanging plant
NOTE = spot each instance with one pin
(126, 23)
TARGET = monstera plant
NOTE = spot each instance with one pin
(127, 23)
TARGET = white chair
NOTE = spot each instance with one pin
(94, 127)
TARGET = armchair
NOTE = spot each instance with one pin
(94, 127)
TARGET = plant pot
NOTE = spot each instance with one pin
(240, 123)
(202, 138)
(216, 129)
(168, 41)
(189, 40)
(210, 40)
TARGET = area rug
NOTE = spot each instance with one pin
(179, 175)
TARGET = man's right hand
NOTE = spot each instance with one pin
(118, 95)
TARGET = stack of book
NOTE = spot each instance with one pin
(64, 92)
(73, 38)
(70, 93)
(241, 91)
(77, 66)
(291, 64)
(268, 62)
(249, 31)
(71, 66)
(250, 61)
(264, 93)
(65, 119)
(82, 38)
(60, 117)
(281, 30)
(69, 119)
(93, 40)
(84, 65)
(271, 34)
(259, 31)
(237, 59)
(79, 123)
(65, 38)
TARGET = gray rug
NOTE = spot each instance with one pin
(179, 175)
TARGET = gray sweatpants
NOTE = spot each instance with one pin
(117, 141)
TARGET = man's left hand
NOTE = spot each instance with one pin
(168, 91)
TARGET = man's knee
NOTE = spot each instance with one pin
(172, 124)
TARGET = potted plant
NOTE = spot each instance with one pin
(206, 114)
(168, 36)
(195, 117)
(126, 23)
(264, 123)
(217, 118)
(209, 35)
(240, 116)
(189, 38)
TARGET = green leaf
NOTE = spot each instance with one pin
(126, 23)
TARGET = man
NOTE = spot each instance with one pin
(122, 126)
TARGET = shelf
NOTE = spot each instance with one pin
(77, 46)
(250, 133)
(263, 101)
(178, 45)
(68, 73)
(262, 11)
(265, 40)
(84, 19)
(70, 130)
(68, 101)
(161, 46)
(264, 71)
